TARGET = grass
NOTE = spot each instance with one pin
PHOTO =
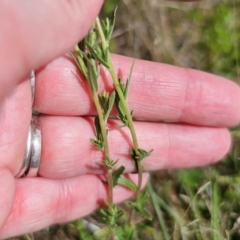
(198, 203)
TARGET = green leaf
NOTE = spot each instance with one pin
(119, 106)
(116, 175)
(108, 163)
(125, 90)
(77, 56)
(93, 72)
(104, 99)
(82, 67)
(125, 232)
(106, 27)
(91, 37)
(112, 24)
(97, 56)
(127, 183)
(111, 101)
(140, 204)
(99, 141)
(98, 144)
(128, 82)
(140, 154)
(120, 109)
(122, 86)
(111, 215)
(106, 102)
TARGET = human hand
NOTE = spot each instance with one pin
(197, 108)
(32, 34)
(202, 106)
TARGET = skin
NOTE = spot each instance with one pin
(198, 106)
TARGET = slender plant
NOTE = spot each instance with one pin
(91, 54)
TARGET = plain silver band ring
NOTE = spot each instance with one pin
(32, 156)
(26, 161)
(36, 147)
(32, 81)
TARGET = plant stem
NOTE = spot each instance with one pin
(106, 154)
(105, 144)
(116, 84)
(139, 167)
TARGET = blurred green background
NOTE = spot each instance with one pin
(202, 35)
(200, 203)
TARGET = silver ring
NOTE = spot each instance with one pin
(32, 157)
(26, 160)
(36, 147)
(32, 81)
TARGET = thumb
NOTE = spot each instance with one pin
(35, 32)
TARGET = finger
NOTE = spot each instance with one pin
(15, 116)
(157, 92)
(35, 32)
(67, 150)
(40, 202)
(7, 188)
(15, 113)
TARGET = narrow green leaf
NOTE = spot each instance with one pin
(125, 232)
(93, 72)
(105, 56)
(98, 144)
(111, 215)
(111, 101)
(112, 24)
(108, 163)
(82, 67)
(104, 99)
(139, 155)
(78, 58)
(119, 106)
(98, 130)
(146, 214)
(106, 27)
(120, 109)
(97, 56)
(116, 175)
(122, 86)
(99, 51)
(127, 183)
(91, 37)
(159, 212)
(128, 82)
(140, 204)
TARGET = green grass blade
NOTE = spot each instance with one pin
(158, 212)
